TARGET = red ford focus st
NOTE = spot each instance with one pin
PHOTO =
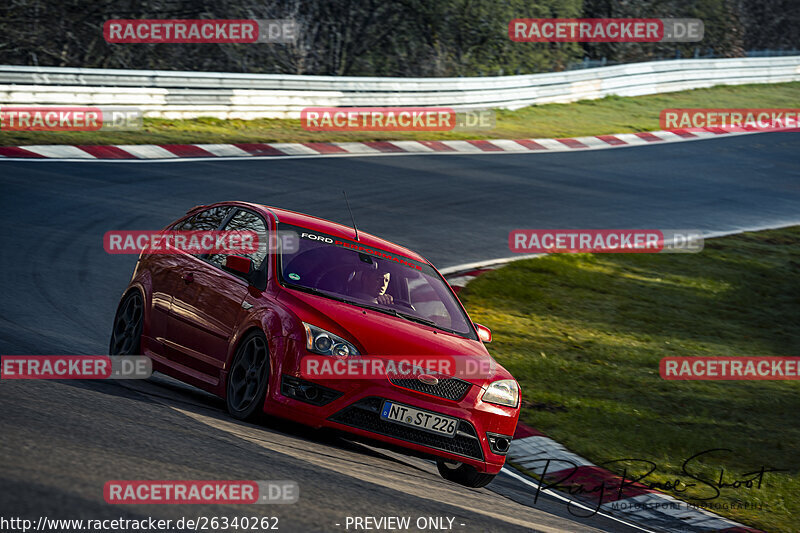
(242, 326)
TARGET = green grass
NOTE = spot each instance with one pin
(584, 335)
(588, 117)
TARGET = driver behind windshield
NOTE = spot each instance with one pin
(372, 285)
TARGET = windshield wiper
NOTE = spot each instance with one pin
(325, 294)
(385, 310)
(411, 318)
(419, 319)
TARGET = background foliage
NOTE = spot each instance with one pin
(380, 37)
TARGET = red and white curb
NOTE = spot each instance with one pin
(179, 152)
(533, 451)
(460, 280)
(537, 453)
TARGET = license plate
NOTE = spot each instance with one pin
(409, 416)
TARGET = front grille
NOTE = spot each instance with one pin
(447, 388)
(365, 414)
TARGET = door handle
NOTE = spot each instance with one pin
(188, 278)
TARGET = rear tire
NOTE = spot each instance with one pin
(248, 377)
(463, 474)
(126, 334)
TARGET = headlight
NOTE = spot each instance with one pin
(503, 392)
(326, 343)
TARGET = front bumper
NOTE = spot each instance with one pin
(365, 415)
(354, 406)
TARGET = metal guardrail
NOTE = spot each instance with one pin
(176, 94)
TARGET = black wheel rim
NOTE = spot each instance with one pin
(127, 326)
(248, 373)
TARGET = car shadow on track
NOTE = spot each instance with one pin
(160, 388)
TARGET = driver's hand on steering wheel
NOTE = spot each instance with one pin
(385, 299)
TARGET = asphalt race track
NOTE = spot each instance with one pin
(60, 441)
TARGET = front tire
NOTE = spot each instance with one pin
(126, 335)
(248, 377)
(463, 474)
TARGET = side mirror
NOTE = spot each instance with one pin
(243, 266)
(239, 264)
(484, 333)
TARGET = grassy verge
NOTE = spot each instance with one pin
(589, 117)
(584, 335)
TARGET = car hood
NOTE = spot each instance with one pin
(379, 334)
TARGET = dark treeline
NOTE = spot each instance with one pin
(380, 37)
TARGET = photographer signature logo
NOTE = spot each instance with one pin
(691, 483)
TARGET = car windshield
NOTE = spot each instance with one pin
(372, 278)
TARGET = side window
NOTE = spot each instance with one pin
(246, 221)
(207, 220)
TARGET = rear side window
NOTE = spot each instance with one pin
(207, 220)
(246, 221)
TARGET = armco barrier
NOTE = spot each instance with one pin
(175, 94)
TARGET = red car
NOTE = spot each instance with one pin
(240, 326)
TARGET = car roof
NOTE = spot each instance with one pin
(334, 229)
